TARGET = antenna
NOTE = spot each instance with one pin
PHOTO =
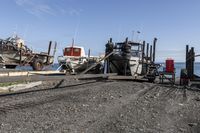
(72, 50)
(73, 42)
(15, 31)
(119, 32)
(76, 30)
(132, 35)
(25, 32)
(138, 32)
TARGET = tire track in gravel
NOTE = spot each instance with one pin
(118, 105)
(47, 98)
(146, 94)
(156, 106)
(169, 102)
(35, 92)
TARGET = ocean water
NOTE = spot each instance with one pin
(178, 67)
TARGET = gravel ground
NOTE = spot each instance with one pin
(104, 106)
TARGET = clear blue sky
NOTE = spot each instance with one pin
(92, 22)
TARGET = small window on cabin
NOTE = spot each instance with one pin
(76, 50)
(135, 48)
(67, 50)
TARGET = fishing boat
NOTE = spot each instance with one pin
(128, 59)
(74, 60)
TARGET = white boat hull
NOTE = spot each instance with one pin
(135, 66)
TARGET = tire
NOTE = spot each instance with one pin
(37, 65)
(152, 76)
(152, 79)
(184, 79)
(184, 73)
(10, 66)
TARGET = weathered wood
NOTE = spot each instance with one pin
(154, 49)
(151, 53)
(143, 48)
(85, 71)
(147, 51)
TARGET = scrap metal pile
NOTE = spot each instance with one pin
(14, 52)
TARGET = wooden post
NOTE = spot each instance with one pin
(88, 62)
(110, 40)
(88, 53)
(143, 48)
(190, 58)
(49, 50)
(192, 62)
(147, 52)
(126, 40)
(126, 61)
(55, 46)
(186, 57)
(107, 61)
(20, 52)
(151, 53)
(154, 49)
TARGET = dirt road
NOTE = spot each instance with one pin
(105, 106)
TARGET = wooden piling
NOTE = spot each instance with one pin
(151, 53)
(154, 48)
(147, 52)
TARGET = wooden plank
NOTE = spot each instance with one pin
(85, 71)
(28, 73)
(95, 76)
(125, 77)
(34, 78)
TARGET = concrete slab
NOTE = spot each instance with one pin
(18, 87)
(27, 73)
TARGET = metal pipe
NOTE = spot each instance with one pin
(154, 49)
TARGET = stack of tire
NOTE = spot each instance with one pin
(109, 47)
(126, 49)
